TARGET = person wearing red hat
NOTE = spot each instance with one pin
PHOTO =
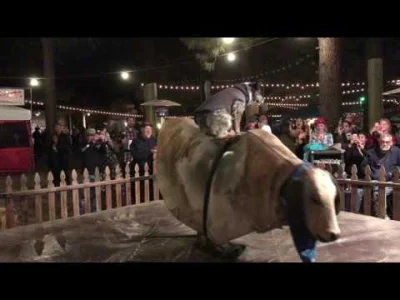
(320, 134)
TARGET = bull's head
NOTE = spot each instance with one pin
(313, 216)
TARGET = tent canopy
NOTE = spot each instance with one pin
(14, 113)
(158, 102)
(391, 92)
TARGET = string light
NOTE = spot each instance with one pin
(221, 87)
(87, 111)
(268, 72)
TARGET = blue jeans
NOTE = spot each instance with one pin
(388, 198)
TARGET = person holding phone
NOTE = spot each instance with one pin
(354, 154)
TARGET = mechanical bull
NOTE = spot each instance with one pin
(225, 189)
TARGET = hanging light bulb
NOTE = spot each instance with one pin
(228, 41)
(231, 57)
(125, 75)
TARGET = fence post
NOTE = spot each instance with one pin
(146, 183)
(52, 200)
(137, 184)
(86, 191)
(38, 200)
(381, 194)
(10, 210)
(75, 194)
(24, 200)
(108, 190)
(97, 189)
(353, 190)
(342, 187)
(118, 189)
(156, 192)
(128, 184)
(63, 196)
(367, 191)
(396, 195)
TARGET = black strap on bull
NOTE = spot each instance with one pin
(210, 178)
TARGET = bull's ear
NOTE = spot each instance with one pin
(256, 85)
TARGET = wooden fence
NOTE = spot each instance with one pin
(40, 204)
(350, 190)
(93, 194)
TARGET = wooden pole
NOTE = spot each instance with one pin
(375, 81)
(330, 94)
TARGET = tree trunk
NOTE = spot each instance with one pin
(330, 94)
(375, 81)
(49, 85)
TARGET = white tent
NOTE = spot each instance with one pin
(395, 91)
(14, 113)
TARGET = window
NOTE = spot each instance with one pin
(14, 135)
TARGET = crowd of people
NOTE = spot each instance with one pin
(376, 148)
(97, 148)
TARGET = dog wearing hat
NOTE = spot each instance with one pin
(221, 114)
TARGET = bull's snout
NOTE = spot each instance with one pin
(329, 237)
(334, 236)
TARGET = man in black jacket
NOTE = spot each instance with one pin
(142, 150)
(94, 156)
(385, 156)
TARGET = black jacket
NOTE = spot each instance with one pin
(94, 155)
(375, 159)
(352, 156)
(141, 152)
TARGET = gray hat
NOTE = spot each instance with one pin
(90, 132)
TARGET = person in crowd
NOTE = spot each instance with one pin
(301, 140)
(384, 126)
(130, 134)
(320, 134)
(263, 123)
(385, 156)
(354, 154)
(94, 156)
(396, 134)
(37, 145)
(111, 159)
(252, 123)
(59, 159)
(142, 150)
(344, 133)
(297, 127)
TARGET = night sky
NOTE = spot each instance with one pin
(85, 66)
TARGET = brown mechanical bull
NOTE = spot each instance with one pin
(228, 189)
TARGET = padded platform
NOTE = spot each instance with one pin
(149, 233)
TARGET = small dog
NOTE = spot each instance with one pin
(215, 116)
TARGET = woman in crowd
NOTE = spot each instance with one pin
(354, 154)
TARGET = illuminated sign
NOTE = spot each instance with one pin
(10, 96)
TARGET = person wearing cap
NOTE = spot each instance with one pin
(130, 135)
(263, 123)
(252, 123)
(94, 156)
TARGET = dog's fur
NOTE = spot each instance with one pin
(245, 195)
(222, 113)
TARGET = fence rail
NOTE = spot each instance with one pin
(92, 193)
